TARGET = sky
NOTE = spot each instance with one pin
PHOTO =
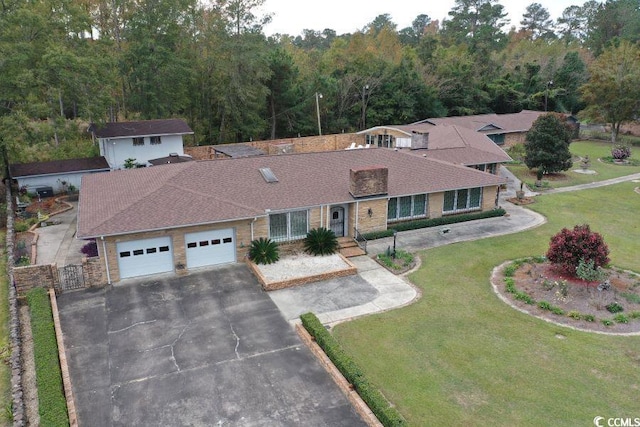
(347, 16)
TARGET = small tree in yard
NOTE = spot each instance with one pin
(569, 248)
(547, 144)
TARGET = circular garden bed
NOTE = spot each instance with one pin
(535, 287)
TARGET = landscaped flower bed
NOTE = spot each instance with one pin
(535, 286)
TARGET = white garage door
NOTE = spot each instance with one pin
(210, 247)
(147, 256)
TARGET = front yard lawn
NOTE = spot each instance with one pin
(460, 356)
(595, 150)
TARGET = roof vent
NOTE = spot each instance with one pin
(268, 175)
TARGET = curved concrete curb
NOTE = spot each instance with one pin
(494, 286)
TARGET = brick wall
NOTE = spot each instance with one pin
(32, 276)
(378, 219)
(308, 144)
(511, 139)
(93, 272)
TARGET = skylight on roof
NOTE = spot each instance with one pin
(268, 175)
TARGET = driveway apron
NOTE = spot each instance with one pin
(207, 349)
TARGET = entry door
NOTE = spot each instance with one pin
(336, 222)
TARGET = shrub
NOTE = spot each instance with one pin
(547, 284)
(620, 318)
(510, 285)
(510, 270)
(386, 414)
(517, 152)
(321, 241)
(568, 247)
(557, 311)
(264, 251)
(574, 314)
(589, 317)
(621, 152)
(90, 249)
(51, 398)
(634, 315)
(544, 305)
(405, 258)
(433, 222)
(607, 322)
(586, 270)
(614, 307)
(523, 296)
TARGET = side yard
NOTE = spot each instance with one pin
(595, 150)
(5, 372)
(461, 356)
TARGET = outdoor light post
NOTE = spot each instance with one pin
(318, 97)
(546, 94)
(395, 234)
(365, 88)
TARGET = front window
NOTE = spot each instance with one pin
(138, 141)
(407, 207)
(462, 200)
(288, 226)
(155, 140)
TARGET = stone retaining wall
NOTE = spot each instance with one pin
(17, 395)
(33, 276)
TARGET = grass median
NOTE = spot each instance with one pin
(5, 353)
(461, 356)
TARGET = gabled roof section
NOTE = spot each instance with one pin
(399, 128)
(210, 191)
(141, 128)
(91, 164)
(503, 123)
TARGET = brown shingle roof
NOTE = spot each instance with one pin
(142, 128)
(58, 166)
(456, 144)
(209, 191)
(493, 123)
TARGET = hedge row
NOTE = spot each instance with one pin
(387, 414)
(433, 222)
(52, 402)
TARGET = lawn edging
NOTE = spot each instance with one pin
(386, 414)
(51, 397)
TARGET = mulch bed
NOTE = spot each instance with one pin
(543, 283)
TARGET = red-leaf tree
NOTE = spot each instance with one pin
(568, 247)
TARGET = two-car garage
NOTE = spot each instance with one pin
(156, 255)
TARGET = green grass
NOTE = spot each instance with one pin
(459, 355)
(595, 150)
(5, 372)
(51, 399)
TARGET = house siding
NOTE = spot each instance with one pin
(511, 139)
(117, 150)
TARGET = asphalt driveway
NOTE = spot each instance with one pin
(207, 349)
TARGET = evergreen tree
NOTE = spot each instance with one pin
(547, 144)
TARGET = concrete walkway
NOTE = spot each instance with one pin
(612, 181)
(57, 243)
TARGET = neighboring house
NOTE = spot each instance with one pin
(141, 140)
(60, 175)
(449, 143)
(200, 213)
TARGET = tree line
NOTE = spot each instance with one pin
(66, 63)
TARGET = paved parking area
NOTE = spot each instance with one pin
(207, 349)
